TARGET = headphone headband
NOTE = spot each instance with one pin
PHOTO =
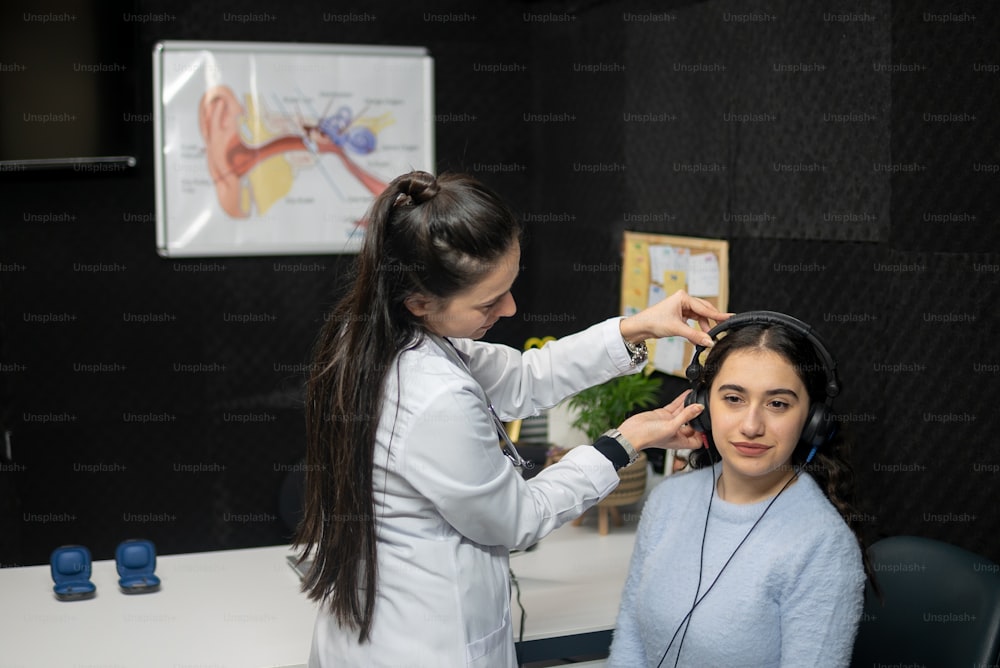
(693, 371)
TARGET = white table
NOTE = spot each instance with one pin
(571, 584)
(239, 608)
(243, 608)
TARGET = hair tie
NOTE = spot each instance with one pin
(429, 191)
(402, 199)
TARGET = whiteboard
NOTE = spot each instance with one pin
(266, 148)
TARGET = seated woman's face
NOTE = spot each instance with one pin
(758, 406)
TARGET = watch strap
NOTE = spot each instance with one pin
(630, 450)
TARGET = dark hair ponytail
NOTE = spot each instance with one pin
(424, 235)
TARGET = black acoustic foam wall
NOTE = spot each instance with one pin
(848, 155)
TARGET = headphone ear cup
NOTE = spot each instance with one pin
(701, 422)
(820, 427)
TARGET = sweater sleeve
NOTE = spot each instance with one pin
(821, 611)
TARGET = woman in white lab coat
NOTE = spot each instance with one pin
(411, 507)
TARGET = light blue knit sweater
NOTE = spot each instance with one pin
(791, 597)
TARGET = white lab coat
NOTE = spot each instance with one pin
(450, 505)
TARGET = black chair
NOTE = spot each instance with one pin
(941, 607)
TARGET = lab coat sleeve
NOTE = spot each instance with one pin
(452, 458)
(521, 384)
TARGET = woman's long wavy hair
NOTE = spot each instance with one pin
(830, 466)
(427, 236)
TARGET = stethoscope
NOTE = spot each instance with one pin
(506, 445)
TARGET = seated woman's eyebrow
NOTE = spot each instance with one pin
(732, 387)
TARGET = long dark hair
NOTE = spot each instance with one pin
(430, 236)
(830, 466)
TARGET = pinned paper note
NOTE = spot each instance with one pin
(673, 281)
(667, 258)
(703, 275)
(635, 278)
(668, 353)
(656, 294)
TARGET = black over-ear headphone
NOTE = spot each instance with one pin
(821, 424)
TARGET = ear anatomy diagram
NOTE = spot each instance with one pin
(253, 154)
(279, 148)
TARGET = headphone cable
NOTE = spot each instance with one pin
(524, 613)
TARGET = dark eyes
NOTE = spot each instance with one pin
(774, 403)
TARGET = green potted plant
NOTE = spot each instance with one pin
(605, 406)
